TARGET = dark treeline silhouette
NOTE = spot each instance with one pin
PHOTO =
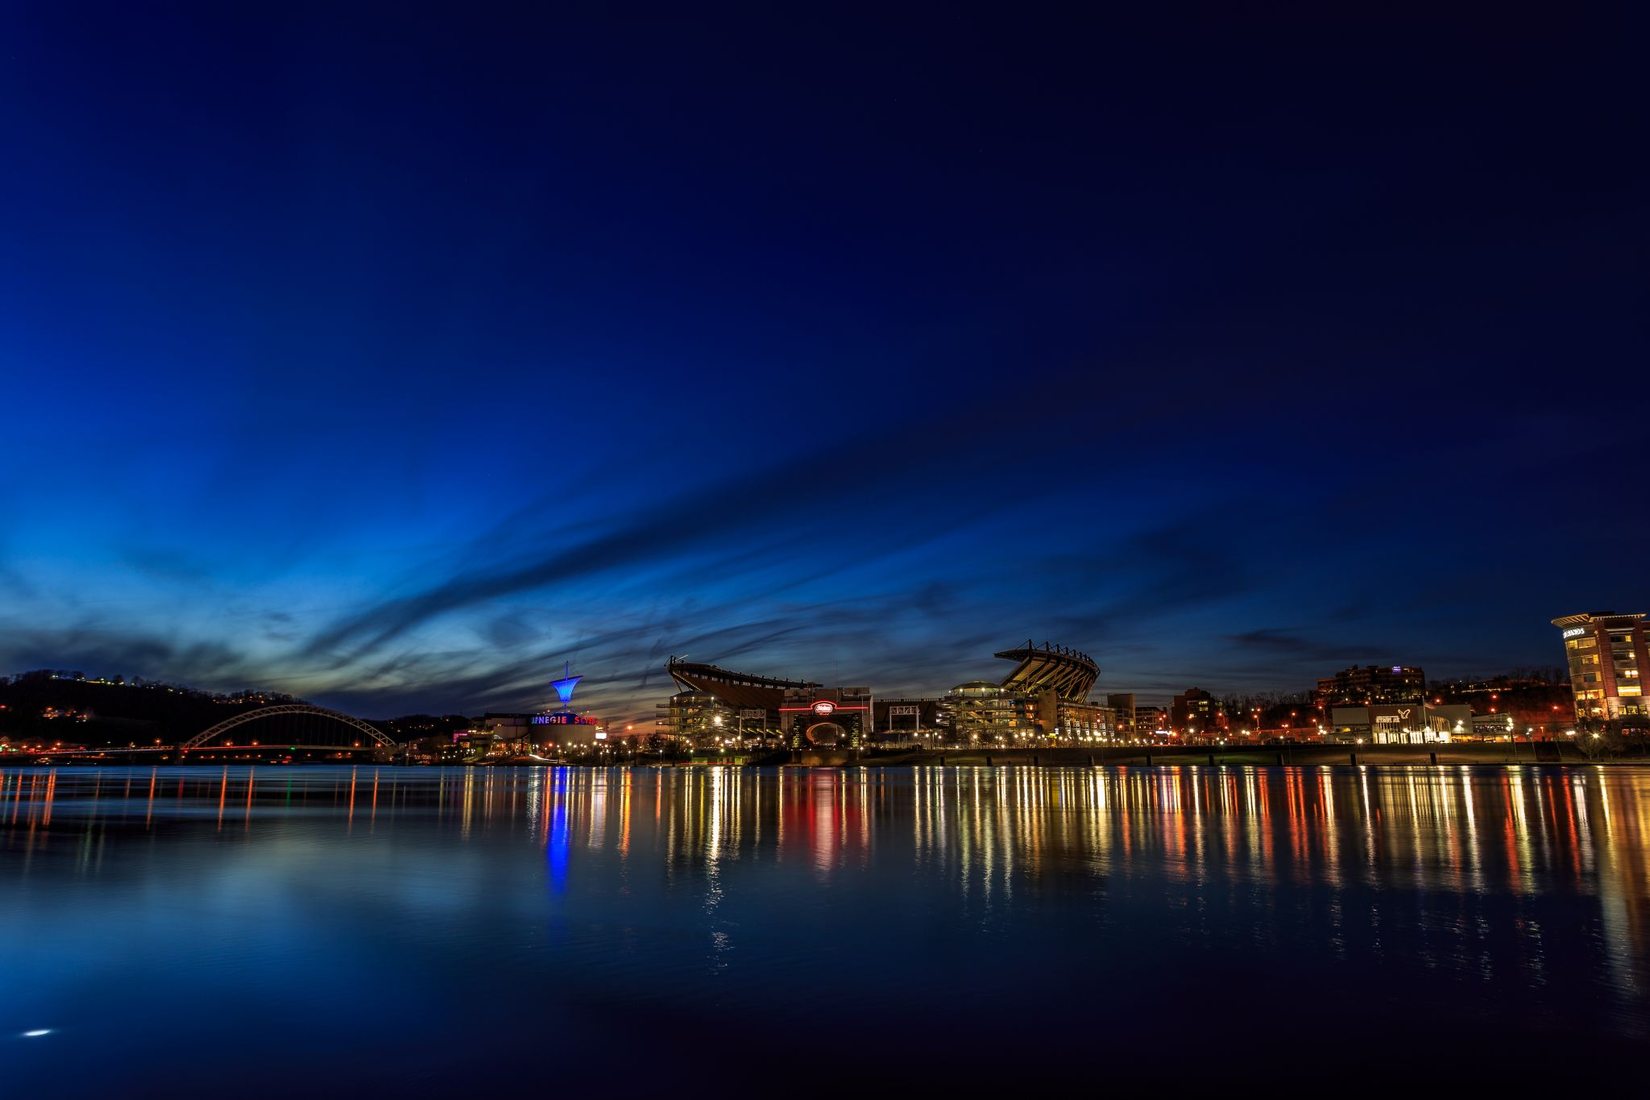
(60, 705)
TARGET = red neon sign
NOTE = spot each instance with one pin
(814, 708)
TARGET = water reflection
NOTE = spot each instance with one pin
(1533, 884)
(1424, 828)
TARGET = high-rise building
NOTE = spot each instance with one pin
(1607, 656)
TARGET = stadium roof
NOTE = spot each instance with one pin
(1066, 672)
(737, 689)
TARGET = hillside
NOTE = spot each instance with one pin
(55, 705)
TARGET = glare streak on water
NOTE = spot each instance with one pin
(586, 911)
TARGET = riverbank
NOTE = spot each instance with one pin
(1490, 753)
(1493, 754)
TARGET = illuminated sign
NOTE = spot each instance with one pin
(753, 712)
(1575, 632)
(912, 709)
(1397, 668)
(830, 708)
(561, 719)
(601, 735)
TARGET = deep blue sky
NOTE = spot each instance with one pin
(392, 359)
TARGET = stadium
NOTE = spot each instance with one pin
(1044, 700)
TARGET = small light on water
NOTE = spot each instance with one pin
(37, 1033)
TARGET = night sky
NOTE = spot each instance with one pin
(393, 358)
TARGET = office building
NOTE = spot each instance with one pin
(1607, 659)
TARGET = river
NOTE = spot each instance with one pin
(718, 931)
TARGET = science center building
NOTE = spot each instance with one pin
(1044, 700)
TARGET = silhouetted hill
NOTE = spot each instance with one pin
(57, 705)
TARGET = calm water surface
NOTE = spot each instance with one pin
(258, 931)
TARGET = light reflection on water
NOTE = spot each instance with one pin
(416, 926)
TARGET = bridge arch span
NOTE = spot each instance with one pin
(244, 717)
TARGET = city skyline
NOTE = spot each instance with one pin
(550, 694)
(621, 549)
(394, 376)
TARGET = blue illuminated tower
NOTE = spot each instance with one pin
(564, 687)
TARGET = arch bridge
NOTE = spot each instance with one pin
(375, 736)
